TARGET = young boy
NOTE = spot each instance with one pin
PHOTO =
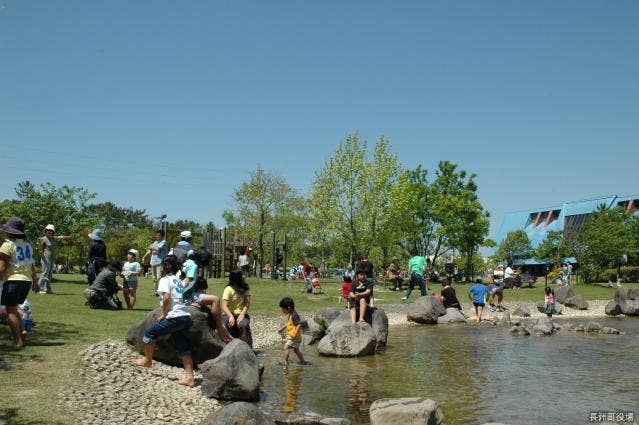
(346, 290)
(131, 270)
(293, 330)
(477, 294)
(359, 296)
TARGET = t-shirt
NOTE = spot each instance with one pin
(175, 288)
(346, 289)
(235, 301)
(450, 297)
(129, 267)
(416, 265)
(158, 257)
(479, 293)
(189, 269)
(49, 246)
(182, 250)
(509, 272)
(291, 324)
(358, 287)
(20, 253)
(550, 299)
(243, 260)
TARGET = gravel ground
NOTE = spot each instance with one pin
(114, 391)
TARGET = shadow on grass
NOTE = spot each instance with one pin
(11, 416)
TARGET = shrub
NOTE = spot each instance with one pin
(628, 274)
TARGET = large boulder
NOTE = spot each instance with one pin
(613, 309)
(453, 315)
(233, 375)
(343, 338)
(628, 301)
(563, 292)
(576, 301)
(406, 411)
(239, 413)
(541, 307)
(311, 331)
(425, 310)
(325, 316)
(522, 310)
(543, 328)
(205, 344)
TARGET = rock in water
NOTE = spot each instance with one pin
(308, 419)
(348, 340)
(425, 310)
(608, 330)
(233, 375)
(628, 301)
(613, 309)
(311, 331)
(522, 310)
(519, 330)
(325, 316)
(239, 413)
(593, 327)
(453, 315)
(543, 328)
(406, 411)
(205, 344)
(562, 293)
(577, 301)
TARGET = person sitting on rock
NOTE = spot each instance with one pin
(359, 296)
(202, 300)
(449, 297)
(174, 319)
(236, 300)
(101, 293)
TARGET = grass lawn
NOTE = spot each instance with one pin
(30, 386)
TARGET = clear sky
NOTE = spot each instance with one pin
(168, 106)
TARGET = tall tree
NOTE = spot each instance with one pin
(261, 203)
(515, 245)
(553, 249)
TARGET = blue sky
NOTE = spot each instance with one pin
(168, 106)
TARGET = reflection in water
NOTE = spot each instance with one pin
(356, 397)
(477, 374)
(292, 381)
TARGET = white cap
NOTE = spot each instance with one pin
(134, 252)
(185, 234)
(50, 227)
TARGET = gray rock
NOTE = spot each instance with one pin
(592, 327)
(522, 310)
(628, 301)
(563, 292)
(453, 315)
(311, 331)
(348, 340)
(325, 316)
(609, 330)
(519, 330)
(239, 413)
(406, 411)
(541, 307)
(308, 419)
(613, 309)
(205, 344)
(233, 375)
(543, 328)
(577, 301)
(425, 310)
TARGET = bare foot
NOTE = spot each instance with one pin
(142, 362)
(187, 382)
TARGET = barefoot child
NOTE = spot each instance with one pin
(131, 270)
(550, 302)
(293, 330)
(346, 290)
(359, 296)
(202, 299)
(477, 294)
(174, 319)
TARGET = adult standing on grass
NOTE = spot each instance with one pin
(395, 274)
(416, 267)
(158, 251)
(47, 245)
(97, 254)
(236, 300)
(17, 270)
(184, 247)
(244, 261)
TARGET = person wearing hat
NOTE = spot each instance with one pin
(131, 270)
(17, 270)
(47, 245)
(184, 247)
(97, 254)
(394, 274)
(158, 251)
(244, 261)
(102, 291)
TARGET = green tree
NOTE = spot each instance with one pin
(515, 245)
(553, 249)
(117, 218)
(264, 203)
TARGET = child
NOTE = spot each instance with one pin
(346, 290)
(201, 299)
(550, 302)
(26, 315)
(477, 294)
(174, 319)
(131, 270)
(359, 296)
(293, 330)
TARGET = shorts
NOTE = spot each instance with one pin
(479, 304)
(130, 284)
(14, 292)
(355, 303)
(292, 343)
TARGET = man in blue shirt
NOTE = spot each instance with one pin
(477, 294)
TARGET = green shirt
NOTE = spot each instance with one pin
(416, 265)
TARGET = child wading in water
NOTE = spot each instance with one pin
(293, 330)
(174, 319)
(550, 302)
(477, 294)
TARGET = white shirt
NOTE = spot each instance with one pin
(243, 260)
(509, 272)
(175, 287)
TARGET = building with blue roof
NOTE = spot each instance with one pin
(569, 218)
